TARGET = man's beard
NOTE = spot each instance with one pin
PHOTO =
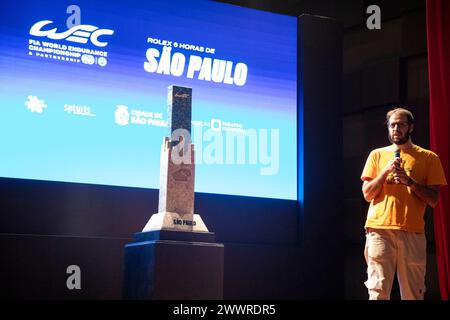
(400, 141)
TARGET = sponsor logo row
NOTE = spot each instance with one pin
(124, 116)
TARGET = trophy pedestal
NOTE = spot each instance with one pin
(173, 265)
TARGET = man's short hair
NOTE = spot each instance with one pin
(403, 111)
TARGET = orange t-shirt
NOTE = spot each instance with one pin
(396, 206)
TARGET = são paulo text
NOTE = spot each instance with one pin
(207, 69)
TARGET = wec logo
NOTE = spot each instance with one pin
(80, 33)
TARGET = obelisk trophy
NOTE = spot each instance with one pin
(177, 169)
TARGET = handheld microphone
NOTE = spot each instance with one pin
(397, 154)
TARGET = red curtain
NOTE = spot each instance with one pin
(438, 34)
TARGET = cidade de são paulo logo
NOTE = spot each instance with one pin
(122, 115)
(125, 116)
(71, 45)
(34, 104)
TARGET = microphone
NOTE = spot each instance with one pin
(397, 154)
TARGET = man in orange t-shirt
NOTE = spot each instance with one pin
(400, 180)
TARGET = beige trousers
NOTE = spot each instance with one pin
(388, 251)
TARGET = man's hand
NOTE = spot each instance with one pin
(392, 166)
(373, 187)
(400, 177)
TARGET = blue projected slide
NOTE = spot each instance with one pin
(84, 84)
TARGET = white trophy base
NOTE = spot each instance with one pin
(175, 222)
